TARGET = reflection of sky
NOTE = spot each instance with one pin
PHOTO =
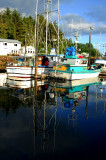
(79, 138)
(15, 135)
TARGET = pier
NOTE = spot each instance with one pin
(102, 74)
(4, 60)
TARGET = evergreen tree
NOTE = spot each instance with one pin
(14, 26)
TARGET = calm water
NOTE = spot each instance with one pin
(53, 121)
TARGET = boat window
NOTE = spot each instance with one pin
(83, 62)
(63, 60)
(5, 44)
(102, 65)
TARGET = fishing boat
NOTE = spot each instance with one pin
(73, 67)
(24, 69)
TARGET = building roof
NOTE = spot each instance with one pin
(9, 40)
(31, 47)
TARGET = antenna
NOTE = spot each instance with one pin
(76, 40)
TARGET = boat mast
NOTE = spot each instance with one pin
(89, 63)
(58, 27)
(36, 38)
(76, 41)
(48, 1)
(36, 13)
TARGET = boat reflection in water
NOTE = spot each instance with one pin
(3, 77)
(54, 120)
(74, 91)
(25, 89)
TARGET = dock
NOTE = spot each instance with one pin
(4, 60)
(102, 74)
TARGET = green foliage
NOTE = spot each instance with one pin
(85, 48)
(14, 26)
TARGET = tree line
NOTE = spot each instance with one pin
(15, 26)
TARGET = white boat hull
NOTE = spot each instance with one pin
(26, 72)
(73, 76)
(21, 72)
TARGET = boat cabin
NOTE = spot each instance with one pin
(101, 62)
(74, 61)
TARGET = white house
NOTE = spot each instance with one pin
(30, 51)
(53, 51)
(9, 46)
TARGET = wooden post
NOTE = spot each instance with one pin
(25, 48)
(89, 64)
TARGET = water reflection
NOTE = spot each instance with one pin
(53, 120)
(72, 92)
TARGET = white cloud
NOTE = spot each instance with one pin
(2, 9)
(73, 23)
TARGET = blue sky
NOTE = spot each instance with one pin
(76, 16)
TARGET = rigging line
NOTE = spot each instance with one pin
(59, 119)
(53, 115)
(40, 31)
(86, 29)
(41, 39)
(62, 24)
(55, 30)
(44, 5)
(40, 122)
(29, 109)
(42, 23)
(68, 32)
(51, 119)
(80, 29)
(52, 24)
(100, 27)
